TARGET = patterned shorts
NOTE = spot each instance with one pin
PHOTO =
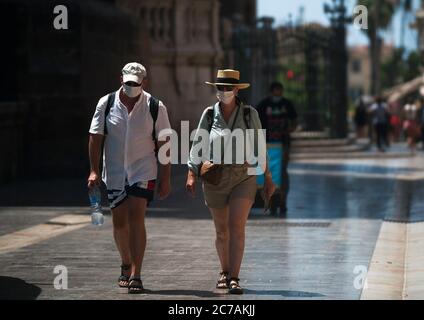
(143, 189)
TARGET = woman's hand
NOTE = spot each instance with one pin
(191, 184)
(269, 186)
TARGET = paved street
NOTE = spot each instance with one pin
(336, 211)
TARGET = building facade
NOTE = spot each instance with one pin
(184, 52)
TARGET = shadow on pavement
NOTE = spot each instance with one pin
(17, 289)
(197, 293)
(284, 293)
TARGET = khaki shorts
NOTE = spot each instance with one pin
(235, 183)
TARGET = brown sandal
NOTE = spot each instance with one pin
(222, 282)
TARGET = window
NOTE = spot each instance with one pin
(356, 65)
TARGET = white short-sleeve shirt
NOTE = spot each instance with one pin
(129, 149)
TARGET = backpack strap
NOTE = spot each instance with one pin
(210, 113)
(110, 102)
(154, 111)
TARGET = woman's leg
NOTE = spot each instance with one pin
(137, 209)
(239, 212)
(220, 219)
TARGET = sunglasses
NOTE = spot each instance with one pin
(225, 88)
(132, 84)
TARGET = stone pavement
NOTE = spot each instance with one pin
(319, 251)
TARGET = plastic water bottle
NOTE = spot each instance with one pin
(95, 197)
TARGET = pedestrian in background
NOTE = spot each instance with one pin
(411, 125)
(361, 119)
(380, 121)
(279, 117)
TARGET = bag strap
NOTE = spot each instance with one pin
(110, 102)
(154, 111)
(246, 116)
(210, 113)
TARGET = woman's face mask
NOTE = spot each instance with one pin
(225, 97)
(131, 91)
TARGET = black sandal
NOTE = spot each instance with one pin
(234, 286)
(135, 286)
(123, 280)
(222, 282)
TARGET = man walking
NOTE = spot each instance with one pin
(279, 118)
(380, 121)
(129, 123)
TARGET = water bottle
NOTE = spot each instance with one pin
(95, 197)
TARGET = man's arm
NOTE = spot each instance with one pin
(293, 117)
(94, 151)
(164, 174)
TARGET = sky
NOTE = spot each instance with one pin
(313, 12)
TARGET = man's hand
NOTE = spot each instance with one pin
(164, 188)
(93, 179)
(191, 184)
(269, 187)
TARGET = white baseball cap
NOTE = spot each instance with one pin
(134, 72)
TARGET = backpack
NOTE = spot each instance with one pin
(210, 113)
(154, 110)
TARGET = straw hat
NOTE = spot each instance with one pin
(229, 77)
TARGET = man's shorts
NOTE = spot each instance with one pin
(143, 189)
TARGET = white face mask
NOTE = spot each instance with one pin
(225, 97)
(131, 92)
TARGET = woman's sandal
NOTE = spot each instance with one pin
(123, 280)
(234, 286)
(135, 286)
(222, 282)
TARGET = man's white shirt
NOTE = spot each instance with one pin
(129, 149)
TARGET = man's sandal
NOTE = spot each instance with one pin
(222, 282)
(124, 280)
(234, 286)
(135, 286)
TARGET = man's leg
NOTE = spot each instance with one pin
(378, 133)
(422, 136)
(121, 231)
(137, 233)
(285, 180)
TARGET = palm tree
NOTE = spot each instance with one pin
(381, 13)
(406, 7)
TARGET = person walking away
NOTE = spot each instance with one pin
(411, 126)
(361, 119)
(380, 120)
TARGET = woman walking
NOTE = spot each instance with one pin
(229, 190)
